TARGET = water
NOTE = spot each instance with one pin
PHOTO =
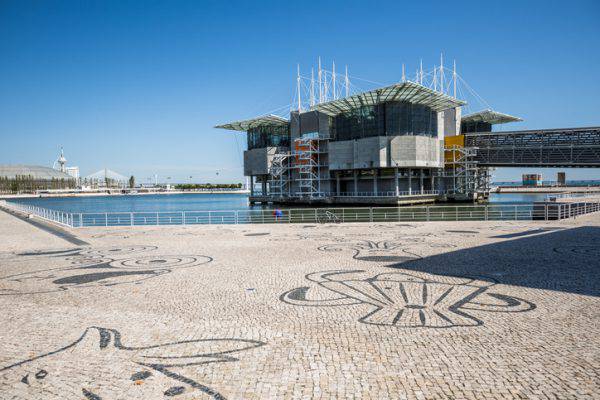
(516, 198)
(193, 202)
(142, 203)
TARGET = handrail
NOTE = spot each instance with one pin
(536, 211)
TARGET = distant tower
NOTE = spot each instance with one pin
(62, 161)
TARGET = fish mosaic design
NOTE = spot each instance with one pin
(96, 267)
(98, 365)
(377, 251)
(410, 300)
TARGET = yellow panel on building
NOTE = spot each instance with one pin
(451, 142)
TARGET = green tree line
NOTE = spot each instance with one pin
(29, 184)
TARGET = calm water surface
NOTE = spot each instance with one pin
(192, 202)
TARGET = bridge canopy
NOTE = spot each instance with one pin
(489, 116)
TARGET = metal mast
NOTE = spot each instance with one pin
(435, 78)
(298, 87)
(325, 86)
(312, 87)
(320, 83)
(421, 73)
(454, 78)
(333, 78)
(403, 73)
(442, 72)
(347, 82)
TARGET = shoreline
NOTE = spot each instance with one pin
(107, 193)
(542, 190)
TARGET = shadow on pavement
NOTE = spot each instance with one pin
(566, 260)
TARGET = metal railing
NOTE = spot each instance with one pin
(489, 212)
(405, 193)
(387, 193)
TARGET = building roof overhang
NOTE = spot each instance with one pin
(406, 91)
(264, 121)
(490, 117)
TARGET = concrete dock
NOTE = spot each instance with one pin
(433, 310)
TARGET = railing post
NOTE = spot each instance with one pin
(427, 212)
(370, 214)
(316, 215)
(183, 218)
(516, 213)
(105, 219)
(131, 218)
(157, 218)
(80, 219)
(236, 217)
(546, 211)
(486, 212)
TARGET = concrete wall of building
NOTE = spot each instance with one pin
(416, 151)
(308, 122)
(294, 126)
(383, 151)
(449, 122)
(258, 161)
(371, 152)
(341, 154)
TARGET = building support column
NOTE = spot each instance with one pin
(409, 181)
(264, 186)
(251, 185)
(375, 182)
(421, 179)
(355, 182)
(432, 179)
(337, 183)
(396, 183)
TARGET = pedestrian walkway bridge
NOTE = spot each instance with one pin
(570, 147)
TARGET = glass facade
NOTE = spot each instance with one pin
(268, 136)
(470, 127)
(386, 119)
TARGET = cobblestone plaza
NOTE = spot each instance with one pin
(438, 310)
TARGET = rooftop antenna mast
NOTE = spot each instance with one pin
(403, 73)
(454, 78)
(442, 72)
(298, 85)
(325, 86)
(320, 82)
(421, 73)
(347, 82)
(312, 87)
(333, 79)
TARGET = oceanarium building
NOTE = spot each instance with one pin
(398, 144)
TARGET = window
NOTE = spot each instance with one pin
(387, 119)
(268, 136)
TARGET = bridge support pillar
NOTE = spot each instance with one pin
(375, 182)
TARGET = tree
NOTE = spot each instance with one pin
(131, 181)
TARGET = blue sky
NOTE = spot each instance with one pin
(136, 86)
